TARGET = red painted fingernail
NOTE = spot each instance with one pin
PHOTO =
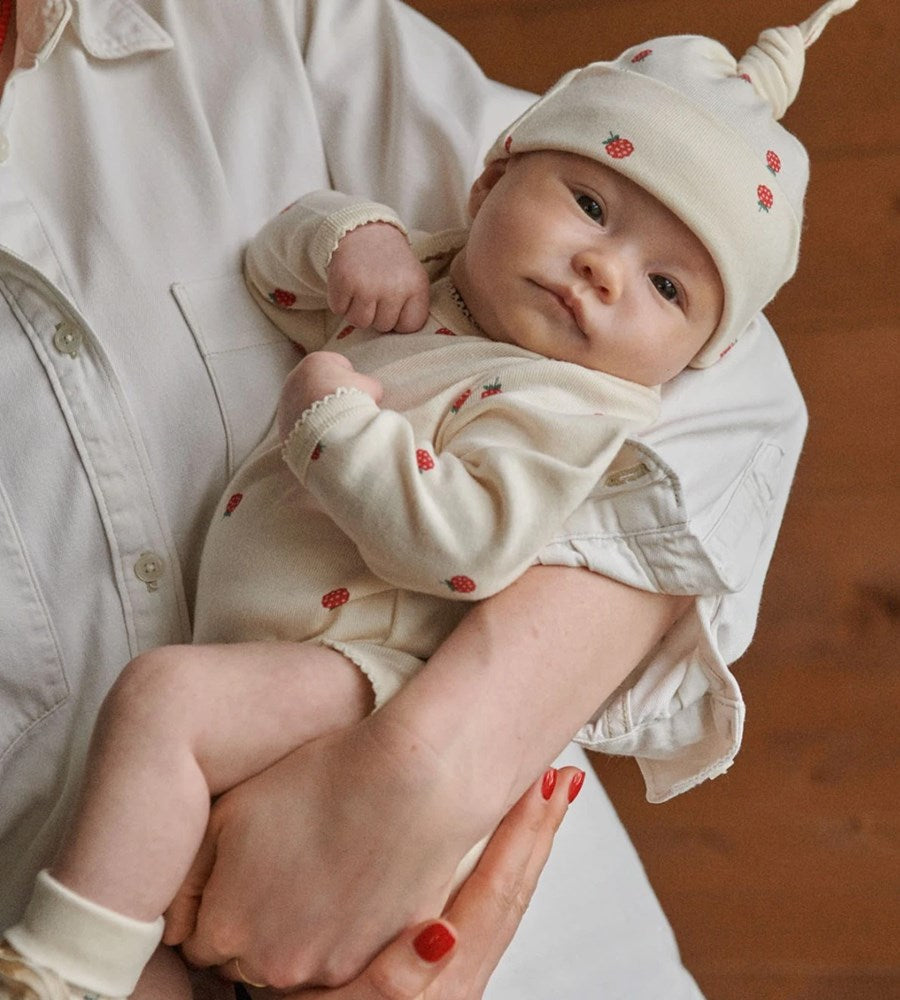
(434, 942)
(575, 786)
(548, 783)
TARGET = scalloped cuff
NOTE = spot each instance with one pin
(335, 227)
(305, 442)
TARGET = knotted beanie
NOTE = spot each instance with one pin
(699, 131)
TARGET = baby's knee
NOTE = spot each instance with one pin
(154, 686)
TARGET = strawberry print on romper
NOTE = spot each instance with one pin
(445, 331)
(617, 147)
(281, 298)
(641, 56)
(335, 598)
(460, 401)
(773, 162)
(232, 504)
(424, 461)
(765, 198)
(461, 584)
(317, 452)
(345, 332)
(492, 389)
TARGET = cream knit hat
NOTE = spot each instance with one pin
(698, 130)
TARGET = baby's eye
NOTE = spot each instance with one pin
(590, 207)
(666, 288)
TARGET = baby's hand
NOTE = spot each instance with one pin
(374, 279)
(318, 375)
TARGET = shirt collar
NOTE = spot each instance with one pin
(108, 29)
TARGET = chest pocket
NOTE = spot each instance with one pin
(32, 681)
(246, 357)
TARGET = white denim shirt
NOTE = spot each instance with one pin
(141, 146)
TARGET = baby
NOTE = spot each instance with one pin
(629, 224)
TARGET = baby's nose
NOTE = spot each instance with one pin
(602, 270)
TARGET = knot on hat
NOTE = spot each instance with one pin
(775, 63)
(775, 67)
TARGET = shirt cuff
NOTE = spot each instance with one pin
(681, 716)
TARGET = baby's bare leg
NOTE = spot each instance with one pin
(164, 978)
(181, 724)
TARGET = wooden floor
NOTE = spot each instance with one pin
(782, 879)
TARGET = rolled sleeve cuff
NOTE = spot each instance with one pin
(682, 715)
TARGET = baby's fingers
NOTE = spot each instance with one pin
(359, 311)
(414, 312)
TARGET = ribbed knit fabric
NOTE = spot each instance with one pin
(90, 946)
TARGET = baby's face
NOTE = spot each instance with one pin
(572, 260)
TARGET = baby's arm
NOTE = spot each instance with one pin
(461, 516)
(329, 250)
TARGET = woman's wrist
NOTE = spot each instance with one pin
(516, 680)
(435, 774)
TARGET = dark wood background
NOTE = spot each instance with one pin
(782, 879)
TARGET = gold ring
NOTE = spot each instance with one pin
(244, 979)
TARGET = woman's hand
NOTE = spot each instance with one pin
(275, 885)
(480, 922)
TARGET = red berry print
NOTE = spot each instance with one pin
(424, 461)
(282, 298)
(773, 162)
(641, 56)
(345, 332)
(727, 349)
(746, 77)
(461, 584)
(492, 389)
(765, 198)
(335, 598)
(317, 452)
(445, 331)
(508, 143)
(459, 401)
(617, 147)
(232, 504)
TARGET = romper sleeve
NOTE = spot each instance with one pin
(693, 505)
(462, 515)
(287, 261)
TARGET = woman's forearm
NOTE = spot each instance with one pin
(524, 670)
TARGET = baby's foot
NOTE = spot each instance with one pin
(21, 979)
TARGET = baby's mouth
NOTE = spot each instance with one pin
(569, 301)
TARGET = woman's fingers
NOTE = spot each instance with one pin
(490, 905)
(403, 970)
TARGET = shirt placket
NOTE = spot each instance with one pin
(112, 454)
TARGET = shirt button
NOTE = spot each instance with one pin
(67, 339)
(4, 147)
(149, 568)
